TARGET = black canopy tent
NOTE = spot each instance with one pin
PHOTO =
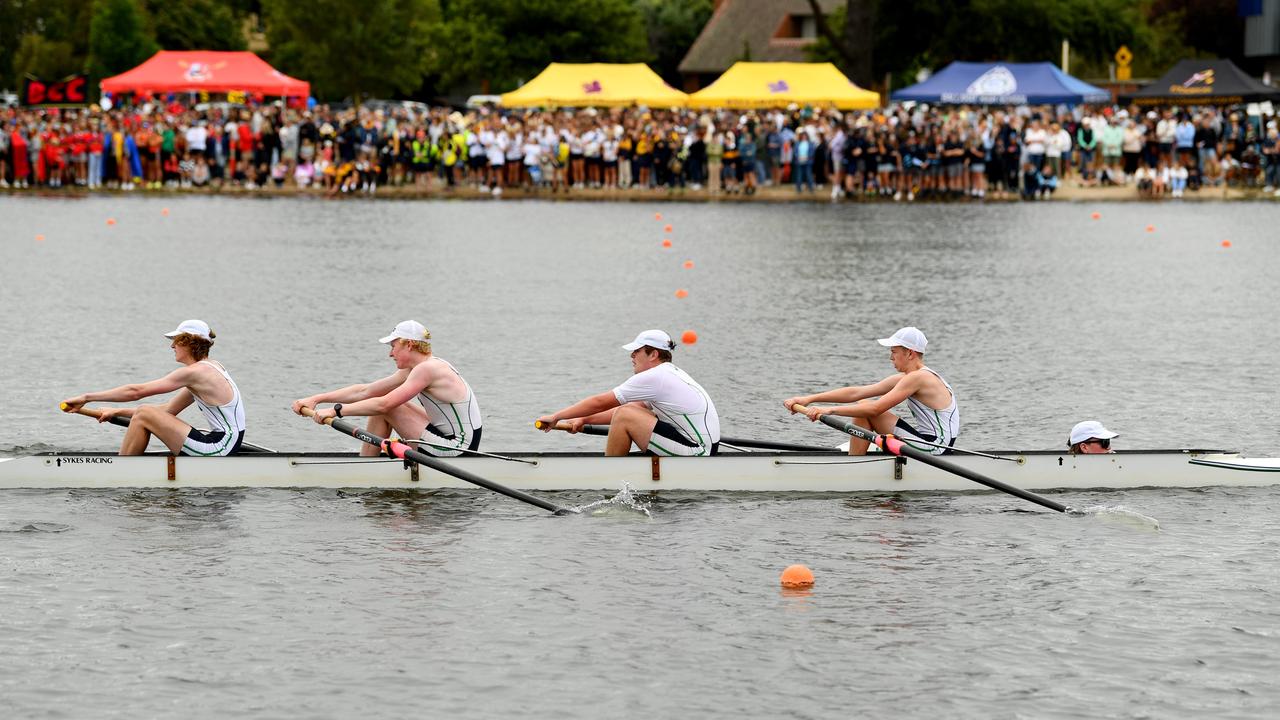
(1203, 82)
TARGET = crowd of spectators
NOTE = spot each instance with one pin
(903, 153)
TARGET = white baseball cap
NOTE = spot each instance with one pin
(1090, 429)
(408, 330)
(199, 328)
(652, 338)
(909, 338)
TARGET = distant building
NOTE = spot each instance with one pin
(1262, 34)
(755, 30)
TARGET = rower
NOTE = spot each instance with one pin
(199, 380)
(659, 409)
(447, 421)
(1090, 438)
(931, 400)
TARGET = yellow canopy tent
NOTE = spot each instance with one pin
(765, 84)
(595, 85)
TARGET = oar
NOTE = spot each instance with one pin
(895, 446)
(124, 422)
(758, 444)
(404, 452)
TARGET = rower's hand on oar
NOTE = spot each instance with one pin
(298, 405)
(574, 426)
(790, 404)
(73, 404)
(105, 414)
(546, 423)
(320, 416)
(813, 413)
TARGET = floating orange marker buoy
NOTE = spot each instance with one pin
(111, 221)
(688, 264)
(657, 216)
(1096, 215)
(164, 212)
(40, 238)
(797, 576)
(682, 293)
(1151, 228)
(1225, 243)
(689, 337)
(666, 242)
(666, 228)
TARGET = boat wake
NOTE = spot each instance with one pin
(37, 527)
(1120, 515)
(623, 505)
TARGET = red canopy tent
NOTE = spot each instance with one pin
(208, 71)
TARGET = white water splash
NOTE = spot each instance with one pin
(1120, 515)
(624, 504)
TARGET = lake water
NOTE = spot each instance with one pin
(324, 604)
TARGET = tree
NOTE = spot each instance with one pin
(46, 59)
(36, 37)
(353, 49)
(671, 26)
(496, 44)
(118, 37)
(197, 24)
(854, 45)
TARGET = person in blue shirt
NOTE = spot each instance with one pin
(802, 163)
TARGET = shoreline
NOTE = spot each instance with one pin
(776, 194)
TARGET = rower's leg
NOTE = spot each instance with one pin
(631, 423)
(151, 420)
(408, 420)
(882, 423)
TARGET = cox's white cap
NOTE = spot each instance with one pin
(1088, 430)
(199, 328)
(909, 338)
(651, 338)
(407, 330)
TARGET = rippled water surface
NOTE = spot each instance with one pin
(326, 604)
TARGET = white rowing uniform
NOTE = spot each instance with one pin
(940, 427)
(226, 423)
(451, 427)
(688, 424)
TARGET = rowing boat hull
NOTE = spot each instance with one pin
(746, 472)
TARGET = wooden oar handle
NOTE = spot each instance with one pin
(558, 426)
(90, 412)
(309, 412)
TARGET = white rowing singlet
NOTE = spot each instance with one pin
(228, 418)
(944, 425)
(457, 420)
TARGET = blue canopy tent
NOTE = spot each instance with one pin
(966, 83)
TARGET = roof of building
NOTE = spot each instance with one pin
(746, 30)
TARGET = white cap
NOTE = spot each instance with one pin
(909, 338)
(199, 328)
(408, 330)
(1090, 429)
(651, 338)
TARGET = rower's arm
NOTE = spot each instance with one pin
(588, 408)
(179, 402)
(419, 379)
(134, 391)
(353, 393)
(904, 387)
(851, 394)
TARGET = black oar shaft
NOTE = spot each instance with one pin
(405, 452)
(898, 447)
(758, 444)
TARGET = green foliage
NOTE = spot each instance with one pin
(362, 49)
(931, 33)
(197, 24)
(46, 59)
(118, 38)
(35, 37)
(504, 42)
(671, 26)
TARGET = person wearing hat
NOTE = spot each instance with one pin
(659, 409)
(1090, 438)
(199, 380)
(447, 421)
(931, 400)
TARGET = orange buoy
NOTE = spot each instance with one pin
(1151, 228)
(657, 216)
(666, 242)
(39, 238)
(688, 264)
(797, 576)
(666, 228)
(682, 293)
(1225, 243)
(1096, 215)
(164, 212)
(111, 221)
(689, 337)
